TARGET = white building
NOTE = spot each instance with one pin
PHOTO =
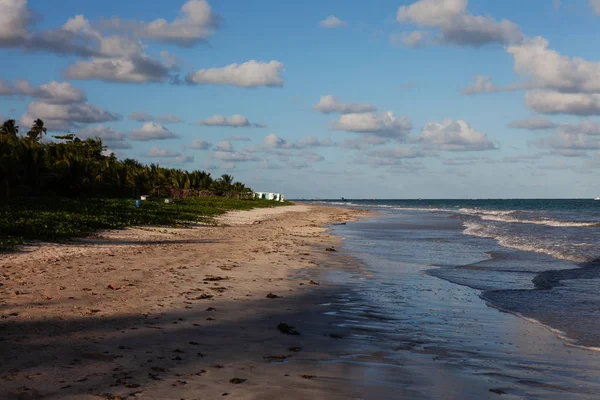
(269, 196)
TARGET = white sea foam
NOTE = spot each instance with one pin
(475, 228)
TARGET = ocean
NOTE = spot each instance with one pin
(508, 288)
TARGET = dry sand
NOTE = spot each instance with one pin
(161, 313)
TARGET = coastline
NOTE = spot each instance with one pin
(178, 313)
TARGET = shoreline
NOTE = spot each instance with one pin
(179, 312)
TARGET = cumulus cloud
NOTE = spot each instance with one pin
(110, 58)
(454, 136)
(235, 121)
(224, 146)
(195, 23)
(140, 116)
(595, 4)
(567, 143)
(534, 124)
(249, 74)
(584, 126)
(53, 92)
(110, 137)
(484, 84)
(410, 39)
(551, 70)
(554, 102)
(66, 116)
(457, 25)
(332, 22)
(383, 125)
(151, 131)
(200, 144)
(139, 69)
(14, 18)
(330, 104)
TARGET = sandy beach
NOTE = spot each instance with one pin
(168, 313)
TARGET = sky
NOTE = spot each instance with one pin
(323, 98)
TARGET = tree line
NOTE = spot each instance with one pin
(71, 166)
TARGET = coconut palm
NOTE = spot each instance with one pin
(37, 130)
(9, 128)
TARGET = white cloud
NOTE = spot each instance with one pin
(551, 70)
(268, 165)
(568, 144)
(274, 141)
(183, 159)
(249, 74)
(200, 144)
(235, 121)
(195, 23)
(412, 39)
(364, 143)
(151, 131)
(110, 137)
(224, 146)
(52, 92)
(158, 152)
(453, 136)
(457, 25)
(332, 22)
(383, 125)
(14, 18)
(229, 156)
(140, 69)
(595, 4)
(553, 102)
(484, 84)
(534, 124)
(330, 104)
(311, 156)
(66, 116)
(140, 116)
(584, 126)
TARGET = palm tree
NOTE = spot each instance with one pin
(37, 130)
(9, 127)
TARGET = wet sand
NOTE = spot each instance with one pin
(183, 314)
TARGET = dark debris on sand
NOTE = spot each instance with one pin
(287, 329)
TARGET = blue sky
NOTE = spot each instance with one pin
(329, 99)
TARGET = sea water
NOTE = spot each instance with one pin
(446, 268)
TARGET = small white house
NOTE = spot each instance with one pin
(269, 196)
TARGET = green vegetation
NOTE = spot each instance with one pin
(74, 167)
(54, 191)
(56, 219)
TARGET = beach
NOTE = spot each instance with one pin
(293, 302)
(171, 313)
